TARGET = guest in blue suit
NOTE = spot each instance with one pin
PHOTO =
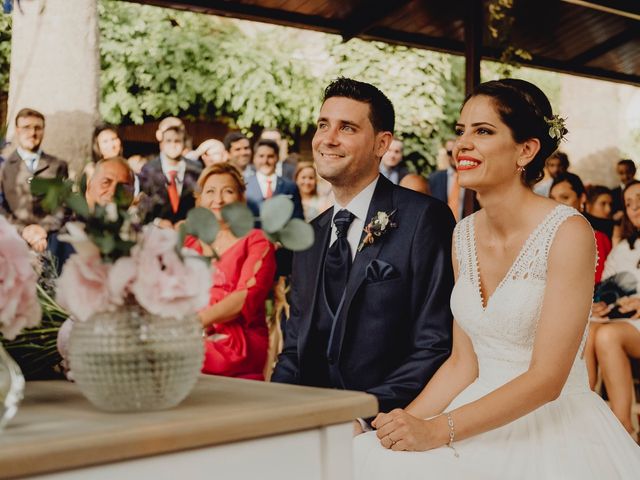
(266, 183)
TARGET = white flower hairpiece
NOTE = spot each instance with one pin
(557, 127)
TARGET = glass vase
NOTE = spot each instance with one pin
(132, 360)
(11, 387)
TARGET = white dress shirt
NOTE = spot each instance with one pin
(359, 206)
(181, 167)
(262, 183)
(29, 157)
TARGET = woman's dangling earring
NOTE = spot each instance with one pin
(520, 170)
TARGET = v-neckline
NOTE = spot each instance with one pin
(484, 303)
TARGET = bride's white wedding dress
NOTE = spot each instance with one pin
(573, 437)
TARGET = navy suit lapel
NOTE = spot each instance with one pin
(316, 265)
(253, 189)
(382, 201)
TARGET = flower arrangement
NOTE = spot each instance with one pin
(557, 128)
(19, 306)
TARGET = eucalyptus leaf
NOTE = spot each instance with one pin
(203, 224)
(78, 204)
(182, 235)
(297, 235)
(275, 212)
(40, 186)
(239, 218)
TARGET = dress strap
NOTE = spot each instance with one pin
(463, 238)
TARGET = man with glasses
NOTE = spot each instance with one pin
(26, 162)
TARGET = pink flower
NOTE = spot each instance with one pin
(83, 286)
(19, 306)
(165, 285)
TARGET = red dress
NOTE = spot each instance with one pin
(238, 348)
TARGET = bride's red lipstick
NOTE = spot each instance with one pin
(467, 163)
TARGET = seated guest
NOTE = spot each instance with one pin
(107, 175)
(266, 183)
(598, 211)
(626, 170)
(235, 320)
(567, 188)
(238, 150)
(209, 152)
(306, 179)
(19, 206)
(169, 180)
(286, 166)
(556, 164)
(614, 342)
(106, 144)
(391, 165)
(416, 182)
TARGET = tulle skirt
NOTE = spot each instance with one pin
(574, 437)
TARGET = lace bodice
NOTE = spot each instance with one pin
(503, 330)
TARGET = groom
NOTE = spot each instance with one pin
(368, 312)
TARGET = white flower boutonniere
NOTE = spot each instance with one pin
(379, 225)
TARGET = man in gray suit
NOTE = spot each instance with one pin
(28, 161)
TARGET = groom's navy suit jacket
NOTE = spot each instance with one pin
(393, 330)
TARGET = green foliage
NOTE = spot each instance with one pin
(158, 62)
(275, 212)
(5, 50)
(418, 83)
(202, 224)
(239, 218)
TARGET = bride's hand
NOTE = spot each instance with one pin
(398, 430)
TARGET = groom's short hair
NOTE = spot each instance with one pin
(381, 113)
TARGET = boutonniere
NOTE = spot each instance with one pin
(379, 225)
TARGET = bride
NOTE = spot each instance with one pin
(513, 400)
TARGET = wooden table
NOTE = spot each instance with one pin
(226, 428)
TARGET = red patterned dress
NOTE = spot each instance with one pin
(238, 348)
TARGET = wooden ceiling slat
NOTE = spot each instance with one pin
(561, 36)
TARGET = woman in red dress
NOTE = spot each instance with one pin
(235, 320)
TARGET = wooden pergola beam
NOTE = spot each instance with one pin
(612, 43)
(368, 15)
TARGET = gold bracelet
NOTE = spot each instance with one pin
(452, 434)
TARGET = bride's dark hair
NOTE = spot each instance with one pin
(523, 107)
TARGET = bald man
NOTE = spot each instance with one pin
(108, 174)
(415, 182)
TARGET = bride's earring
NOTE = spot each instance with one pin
(520, 170)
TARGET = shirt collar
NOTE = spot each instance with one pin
(24, 155)
(359, 205)
(273, 177)
(167, 167)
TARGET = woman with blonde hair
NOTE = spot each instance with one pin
(306, 179)
(235, 320)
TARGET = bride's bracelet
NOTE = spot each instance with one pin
(452, 433)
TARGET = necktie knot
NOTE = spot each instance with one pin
(172, 176)
(342, 221)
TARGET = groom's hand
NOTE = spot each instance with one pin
(398, 430)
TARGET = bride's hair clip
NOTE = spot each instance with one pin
(557, 128)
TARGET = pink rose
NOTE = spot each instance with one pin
(165, 285)
(121, 276)
(83, 287)
(19, 306)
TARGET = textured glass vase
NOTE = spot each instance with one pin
(131, 360)
(11, 387)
